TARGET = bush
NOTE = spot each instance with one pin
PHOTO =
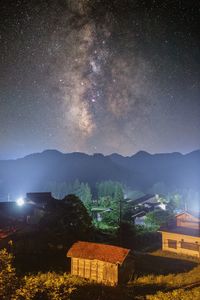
(8, 277)
(45, 286)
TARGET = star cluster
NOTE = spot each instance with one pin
(99, 76)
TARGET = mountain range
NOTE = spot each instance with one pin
(142, 171)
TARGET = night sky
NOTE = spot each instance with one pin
(99, 76)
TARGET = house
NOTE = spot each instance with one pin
(142, 200)
(105, 264)
(30, 212)
(11, 211)
(183, 235)
(139, 217)
(144, 205)
(40, 198)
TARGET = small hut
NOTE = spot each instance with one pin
(105, 264)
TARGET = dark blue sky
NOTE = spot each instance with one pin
(99, 76)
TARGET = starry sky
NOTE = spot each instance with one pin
(99, 76)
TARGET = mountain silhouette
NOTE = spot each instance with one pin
(141, 171)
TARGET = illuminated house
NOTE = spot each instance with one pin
(183, 236)
(106, 264)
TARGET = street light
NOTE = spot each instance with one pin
(20, 201)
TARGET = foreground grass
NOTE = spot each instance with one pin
(181, 294)
(163, 263)
(181, 284)
(151, 284)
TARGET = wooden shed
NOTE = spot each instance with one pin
(105, 264)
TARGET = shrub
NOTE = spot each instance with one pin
(8, 279)
(45, 286)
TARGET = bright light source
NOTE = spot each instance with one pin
(20, 201)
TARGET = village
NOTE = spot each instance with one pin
(99, 150)
(62, 229)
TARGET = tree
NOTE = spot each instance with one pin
(80, 189)
(67, 219)
(7, 275)
(110, 195)
(157, 218)
(86, 196)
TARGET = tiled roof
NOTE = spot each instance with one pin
(182, 230)
(142, 199)
(107, 253)
(39, 197)
(191, 213)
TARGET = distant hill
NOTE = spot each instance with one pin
(142, 171)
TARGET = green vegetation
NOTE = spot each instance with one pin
(110, 196)
(104, 203)
(80, 189)
(112, 214)
(157, 218)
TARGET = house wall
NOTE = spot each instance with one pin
(96, 270)
(180, 243)
(187, 221)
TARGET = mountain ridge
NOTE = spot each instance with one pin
(141, 171)
(96, 153)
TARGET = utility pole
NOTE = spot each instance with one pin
(120, 221)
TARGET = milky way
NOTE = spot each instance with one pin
(99, 76)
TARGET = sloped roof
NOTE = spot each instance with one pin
(107, 253)
(39, 197)
(190, 213)
(142, 199)
(182, 230)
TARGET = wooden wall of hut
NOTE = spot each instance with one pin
(102, 272)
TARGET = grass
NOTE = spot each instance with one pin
(163, 263)
(166, 274)
(180, 294)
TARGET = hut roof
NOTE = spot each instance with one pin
(107, 253)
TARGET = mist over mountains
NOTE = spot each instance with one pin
(143, 171)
